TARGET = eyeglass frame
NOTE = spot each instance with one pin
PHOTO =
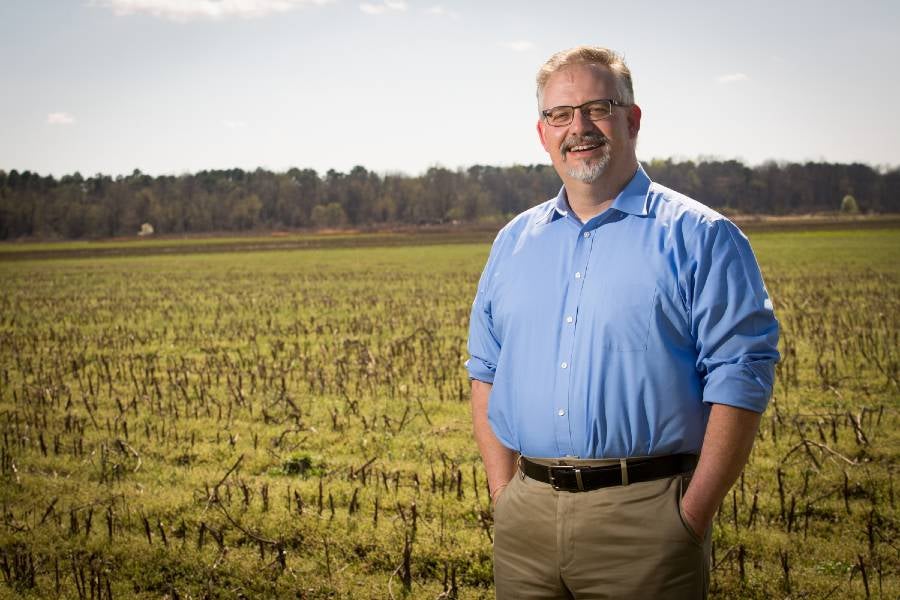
(546, 112)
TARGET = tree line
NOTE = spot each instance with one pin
(72, 206)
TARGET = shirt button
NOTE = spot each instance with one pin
(569, 319)
(578, 275)
(587, 234)
(564, 365)
(561, 412)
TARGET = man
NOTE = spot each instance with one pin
(619, 330)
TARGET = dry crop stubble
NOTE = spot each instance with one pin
(295, 423)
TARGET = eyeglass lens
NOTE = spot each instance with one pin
(595, 111)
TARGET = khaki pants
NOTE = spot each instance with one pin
(615, 542)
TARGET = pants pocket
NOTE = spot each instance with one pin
(504, 496)
(681, 487)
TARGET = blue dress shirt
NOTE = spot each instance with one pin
(609, 339)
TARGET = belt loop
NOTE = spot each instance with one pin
(578, 479)
(520, 468)
(623, 465)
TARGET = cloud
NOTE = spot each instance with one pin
(384, 7)
(60, 118)
(189, 10)
(517, 46)
(732, 78)
(440, 11)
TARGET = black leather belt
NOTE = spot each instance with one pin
(632, 470)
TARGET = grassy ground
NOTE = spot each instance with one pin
(174, 245)
(343, 238)
(294, 423)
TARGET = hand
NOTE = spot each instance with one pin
(496, 493)
(697, 525)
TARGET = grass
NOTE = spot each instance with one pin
(200, 243)
(294, 423)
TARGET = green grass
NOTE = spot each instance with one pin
(132, 384)
(166, 241)
(24, 250)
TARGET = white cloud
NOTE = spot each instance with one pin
(517, 46)
(385, 6)
(732, 78)
(189, 10)
(60, 118)
(235, 124)
(440, 11)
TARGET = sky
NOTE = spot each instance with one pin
(398, 86)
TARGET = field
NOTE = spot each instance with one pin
(294, 423)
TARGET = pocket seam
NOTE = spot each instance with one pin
(684, 524)
(503, 494)
(645, 336)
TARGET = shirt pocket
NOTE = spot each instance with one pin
(626, 312)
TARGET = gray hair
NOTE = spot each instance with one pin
(588, 55)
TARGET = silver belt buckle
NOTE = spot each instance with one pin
(577, 471)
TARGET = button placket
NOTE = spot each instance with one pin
(564, 439)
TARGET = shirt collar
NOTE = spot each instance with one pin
(631, 200)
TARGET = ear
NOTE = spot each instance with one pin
(542, 134)
(634, 120)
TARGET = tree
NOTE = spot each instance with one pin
(849, 205)
(244, 212)
(329, 215)
(35, 205)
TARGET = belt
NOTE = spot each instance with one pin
(632, 470)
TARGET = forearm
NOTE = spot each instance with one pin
(499, 461)
(730, 433)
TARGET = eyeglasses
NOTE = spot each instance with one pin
(595, 110)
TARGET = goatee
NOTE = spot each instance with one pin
(587, 170)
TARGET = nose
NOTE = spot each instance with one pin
(581, 124)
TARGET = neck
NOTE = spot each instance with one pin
(588, 200)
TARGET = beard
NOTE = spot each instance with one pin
(587, 170)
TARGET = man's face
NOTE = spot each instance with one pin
(583, 150)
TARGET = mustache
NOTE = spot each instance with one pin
(590, 138)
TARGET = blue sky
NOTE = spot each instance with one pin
(173, 86)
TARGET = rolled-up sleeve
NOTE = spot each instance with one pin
(483, 346)
(732, 320)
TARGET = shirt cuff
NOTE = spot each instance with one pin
(742, 385)
(480, 370)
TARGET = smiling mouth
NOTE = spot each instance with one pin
(584, 146)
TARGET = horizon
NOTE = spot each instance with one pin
(881, 169)
(110, 86)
